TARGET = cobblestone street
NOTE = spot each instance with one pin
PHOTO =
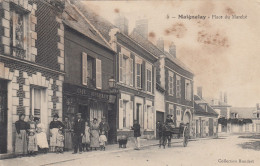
(230, 151)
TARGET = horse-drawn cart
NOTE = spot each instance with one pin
(181, 132)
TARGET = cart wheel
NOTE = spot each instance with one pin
(185, 136)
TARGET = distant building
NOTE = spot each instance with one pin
(205, 117)
(222, 107)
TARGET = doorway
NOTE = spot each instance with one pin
(211, 132)
(3, 116)
(83, 109)
(159, 117)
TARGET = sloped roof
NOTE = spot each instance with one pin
(200, 110)
(74, 20)
(243, 112)
(104, 27)
(155, 50)
(101, 24)
(178, 62)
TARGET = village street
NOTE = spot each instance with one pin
(226, 150)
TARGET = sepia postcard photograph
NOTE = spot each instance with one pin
(129, 82)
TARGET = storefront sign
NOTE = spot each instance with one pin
(86, 92)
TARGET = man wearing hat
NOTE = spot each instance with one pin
(79, 131)
(103, 126)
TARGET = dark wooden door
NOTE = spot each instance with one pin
(3, 116)
(211, 130)
(159, 117)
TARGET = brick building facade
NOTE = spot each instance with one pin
(89, 64)
(31, 64)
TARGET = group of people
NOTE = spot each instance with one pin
(31, 136)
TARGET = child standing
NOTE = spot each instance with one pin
(32, 143)
(86, 138)
(60, 142)
(102, 141)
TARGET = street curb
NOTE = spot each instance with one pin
(106, 152)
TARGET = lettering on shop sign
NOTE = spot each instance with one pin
(92, 94)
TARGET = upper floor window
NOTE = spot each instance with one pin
(188, 90)
(19, 34)
(138, 73)
(91, 71)
(178, 86)
(170, 84)
(149, 78)
(126, 69)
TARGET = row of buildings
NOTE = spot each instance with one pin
(60, 57)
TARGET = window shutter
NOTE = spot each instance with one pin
(131, 71)
(138, 75)
(98, 74)
(120, 67)
(84, 68)
(120, 119)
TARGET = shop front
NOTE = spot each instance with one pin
(91, 104)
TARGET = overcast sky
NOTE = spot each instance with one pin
(223, 53)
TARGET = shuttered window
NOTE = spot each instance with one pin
(149, 78)
(84, 68)
(120, 67)
(98, 74)
(178, 86)
(138, 75)
(131, 74)
(170, 84)
(188, 90)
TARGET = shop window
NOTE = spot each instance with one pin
(19, 26)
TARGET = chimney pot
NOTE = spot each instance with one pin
(141, 26)
(122, 24)
(199, 91)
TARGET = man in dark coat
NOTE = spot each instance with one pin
(137, 133)
(79, 131)
(159, 129)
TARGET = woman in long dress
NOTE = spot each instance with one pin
(67, 134)
(55, 125)
(41, 135)
(21, 136)
(94, 138)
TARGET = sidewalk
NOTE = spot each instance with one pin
(52, 158)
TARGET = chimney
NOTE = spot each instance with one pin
(225, 98)
(220, 97)
(122, 23)
(160, 44)
(172, 49)
(141, 26)
(199, 91)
